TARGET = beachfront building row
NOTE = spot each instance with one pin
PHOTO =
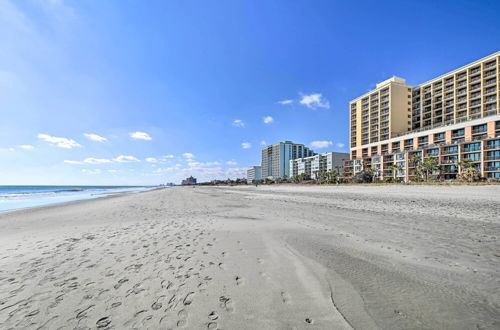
(320, 163)
(452, 117)
(189, 181)
(276, 158)
(254, 173)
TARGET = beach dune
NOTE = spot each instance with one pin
(283, 257)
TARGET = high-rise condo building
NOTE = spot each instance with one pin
(276, 158)
(452, 117)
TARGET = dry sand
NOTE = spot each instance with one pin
(282, 257)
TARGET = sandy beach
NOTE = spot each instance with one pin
(271, 257)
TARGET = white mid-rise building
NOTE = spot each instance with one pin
(322, 163)
(254, 173)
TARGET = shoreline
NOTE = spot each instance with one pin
(104, 195)
(266, 258)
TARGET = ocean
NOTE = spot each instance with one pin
(19, 197)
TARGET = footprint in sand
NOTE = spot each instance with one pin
(285, 297)
(188, 299)
(239, 280)
(226, 303)
(212, 325)
(183, 315)
(103, 322)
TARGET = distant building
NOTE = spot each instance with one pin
(276, 158)
(189, 181)
(325, 162)
(254, 173)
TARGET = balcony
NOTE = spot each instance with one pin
(490, 65)
(471, 149)
(449, 152)
(497, 157)
(492, 168)
(490, 73)
(449, 161)
(492, 146)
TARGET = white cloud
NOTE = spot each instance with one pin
(95, 137)
(314, 101)
(151, 160)
(246, 145)
(113, 171)
(96, 171)
(92, 160)
(263, 143)
(320, 144)
(200, 164)
(168, 156)
(340, 145)
(168, 169)
(267, 119)
(60, 142)
(188, 155)
(284, 102)
(125, 159)
(238, 123)
(26, 147)
(141, 136)
(73, 162)
(231, 163)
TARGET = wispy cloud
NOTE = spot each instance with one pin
(246, 145)
(238, 123)
(188, 155)
(320, 144)
(95, 137)
(231, 163)
(285, 102)
(126, 159)
(340, 145)
(96, 171)
(263, 143)
(314, 101)
(151, 160)
(60, 142)
(168, 156)
(140, 136)
(267, 119)
(92, 160)
(26, 147)
(73, 162)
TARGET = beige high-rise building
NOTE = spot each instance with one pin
(452, 117)
(381, 113)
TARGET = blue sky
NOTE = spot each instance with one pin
(147, 92)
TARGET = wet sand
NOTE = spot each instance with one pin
(271, 257)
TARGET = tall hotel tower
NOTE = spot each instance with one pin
(452, 117)
(276, 158)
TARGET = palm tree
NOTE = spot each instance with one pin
(395, 168)
(464, 163)
(428, 166)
